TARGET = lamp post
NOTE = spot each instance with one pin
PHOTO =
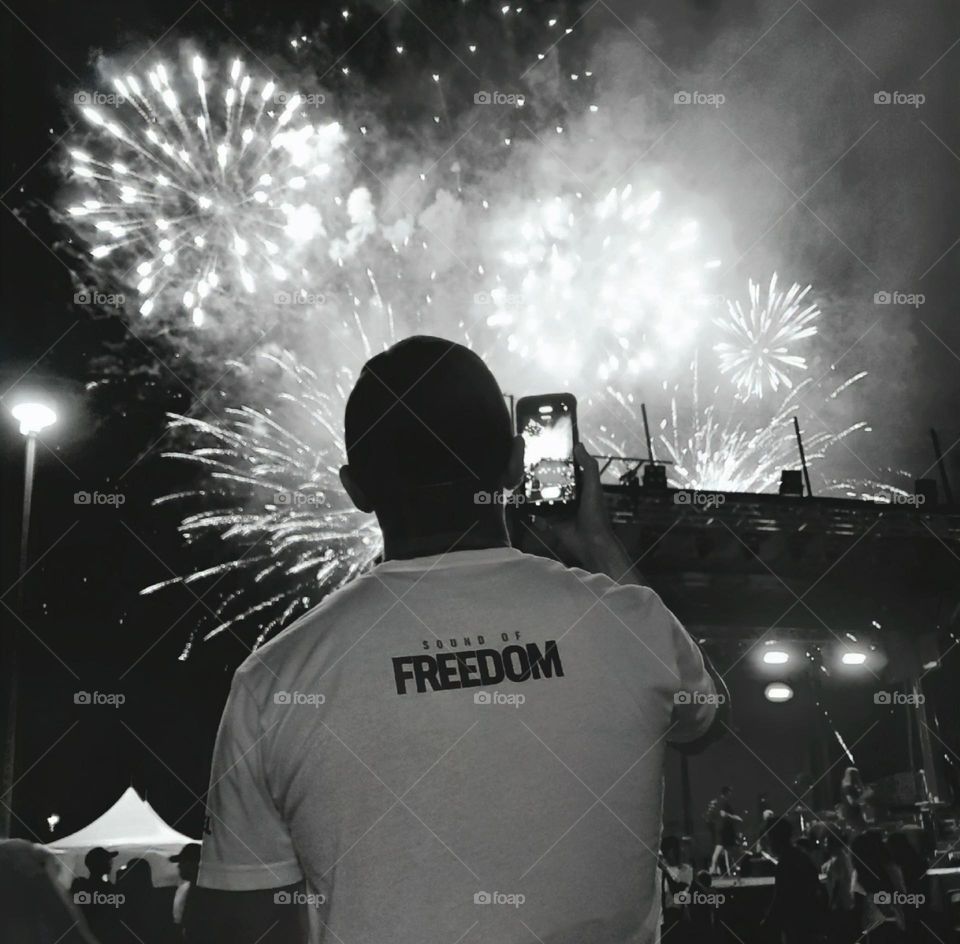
(33, 417)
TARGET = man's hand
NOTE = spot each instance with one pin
(586, 538)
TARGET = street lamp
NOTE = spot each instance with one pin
(33, 417)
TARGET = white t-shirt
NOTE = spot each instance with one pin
(470, 743)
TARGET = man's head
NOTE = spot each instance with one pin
(188, 861)
(426, 421)
(99, 861)
(725, 792)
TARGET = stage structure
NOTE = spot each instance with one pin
(842, 574)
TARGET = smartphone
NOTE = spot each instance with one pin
(548, 424)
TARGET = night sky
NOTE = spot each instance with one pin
(859, 202)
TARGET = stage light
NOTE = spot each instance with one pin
(776, 657)
(853, 658)
(778, 691)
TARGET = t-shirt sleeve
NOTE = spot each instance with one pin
(246, 844)
(695, 695)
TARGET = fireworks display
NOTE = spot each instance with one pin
(593, 289)
(272, 506)
(215, 196)
(707, 452)
(206, 190)
(757, 346)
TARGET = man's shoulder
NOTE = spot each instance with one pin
(576, 578)
(304, 633)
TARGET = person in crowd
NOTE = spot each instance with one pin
(878, 889)
(913, 869)
(837, 872)
(142, 916)
(856, 801)
(797, 908)
(387, 808)
(675, 881)
(702, 924)
(188, 865)
(728, 823)
(95, 894)
(34, 909)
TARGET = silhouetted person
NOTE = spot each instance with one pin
(96, 895)
(188, 864)
(797, 908)
(675, 881)
(411, 794)
(878, 888)
(842, 918)
(34, 909)
(142, 916)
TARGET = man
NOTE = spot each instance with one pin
(96, 895)
(676, 877)
(468, 740)
(188, 864)
(797, 911)
(727, 828)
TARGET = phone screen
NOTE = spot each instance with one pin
(548, 427)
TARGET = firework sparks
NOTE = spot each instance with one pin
(589, 290)
(756, 347)
(713, 454)
(272, 503)
(206, 187)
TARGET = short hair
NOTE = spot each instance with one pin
(725, 790)
(425, 413)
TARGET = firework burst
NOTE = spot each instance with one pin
(271, 505)
(204, 189)
(708, 452)
(756, 349)
(589, 290)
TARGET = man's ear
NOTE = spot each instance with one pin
(353, 489)
(513, 473)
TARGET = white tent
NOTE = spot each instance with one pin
(132, 828)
